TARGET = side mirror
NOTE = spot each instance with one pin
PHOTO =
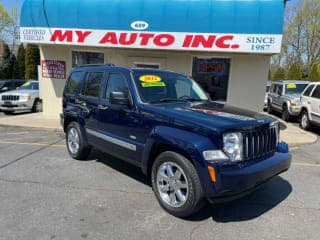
(119, 98)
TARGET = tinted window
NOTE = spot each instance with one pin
(293, 88)
(116, 83)
(74, 83)
(267, 88)
(316, 92)
(93, 83)
(280, 89)
(308, 90)
(18, 83)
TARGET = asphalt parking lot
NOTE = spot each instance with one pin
(44, 194)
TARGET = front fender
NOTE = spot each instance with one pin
(191, 143)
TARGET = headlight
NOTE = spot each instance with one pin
(233, 145)
(276, 125)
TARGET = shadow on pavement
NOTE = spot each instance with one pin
(119, 165)
(252, 206)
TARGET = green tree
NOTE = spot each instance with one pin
(295, 72)
(314, 74)
(12, 62)
(5, 63)
(280, 74)
(32, 60)
(19, 66)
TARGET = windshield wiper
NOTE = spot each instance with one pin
(168, 100)
(193, 99)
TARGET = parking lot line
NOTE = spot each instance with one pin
(306, 164)
(32, 144)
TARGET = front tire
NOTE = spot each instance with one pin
(304, 120)
(176, 184)
(285, 115)
(77, 145)
(269, 108)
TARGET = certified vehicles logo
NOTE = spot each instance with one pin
(139, 25)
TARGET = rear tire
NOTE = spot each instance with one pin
(77, 145)
(305, 121)
(176, 184)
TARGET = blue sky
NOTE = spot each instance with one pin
(8, 4)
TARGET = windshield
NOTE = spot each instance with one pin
(159, 86)
(29, 86)
(294, 88)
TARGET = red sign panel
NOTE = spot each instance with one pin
(53, 69)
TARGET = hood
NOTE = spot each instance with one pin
(212, 115)
(294, 96)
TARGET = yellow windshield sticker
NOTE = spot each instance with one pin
(153, 84)
(149, 78)
(291, 85)
(26, 84)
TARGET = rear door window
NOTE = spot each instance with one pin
(74, 83)
(93, 84)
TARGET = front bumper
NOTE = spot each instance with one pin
(236, 181)
(12, 106)
(295, 111)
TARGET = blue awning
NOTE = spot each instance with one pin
(253, 26)
(203, 16)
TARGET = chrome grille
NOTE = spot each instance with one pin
(260, 143)
(10, 98)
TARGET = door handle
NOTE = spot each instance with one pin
(102, 107)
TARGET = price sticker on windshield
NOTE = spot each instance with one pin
(153, 84)
(291, 86)
(150, 78)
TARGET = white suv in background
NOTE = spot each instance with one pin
(310, 110)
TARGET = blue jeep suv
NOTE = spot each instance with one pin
(191, 148)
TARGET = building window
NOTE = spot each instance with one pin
(147, 65)
(82, 58)
(213, 76)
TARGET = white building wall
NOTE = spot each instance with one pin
(248, 73)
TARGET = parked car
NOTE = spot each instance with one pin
(268, 85)
(310, 110)
(8, 85)
(161, 121)
(284, 97)
(25, 98)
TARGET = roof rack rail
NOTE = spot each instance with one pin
(96, 65)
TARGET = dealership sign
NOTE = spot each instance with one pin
(246, 43)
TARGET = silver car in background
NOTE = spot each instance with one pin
(25, 98)
(284, 97)
(310, 112)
